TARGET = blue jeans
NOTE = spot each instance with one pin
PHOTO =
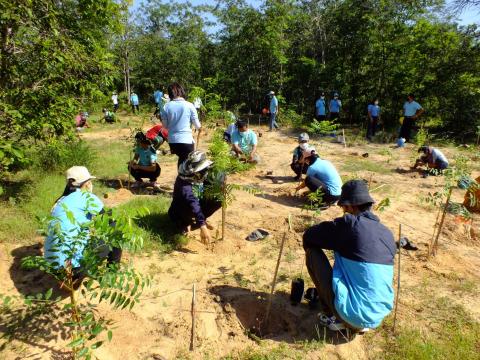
(273, 123)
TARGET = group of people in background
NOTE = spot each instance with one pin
(332, 111)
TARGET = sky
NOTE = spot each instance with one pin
(468, 16)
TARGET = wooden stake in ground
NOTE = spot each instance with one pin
(192, 339)
(197, 144)
(344, 138)
(274, 281)
(433, 248)
(398, 276)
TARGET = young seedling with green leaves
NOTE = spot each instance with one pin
(115, 283)
(224, 164)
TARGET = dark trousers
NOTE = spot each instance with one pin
(298, 168)
(334, 116)
(115, 107)
(372, 127)
(135, 107)
(320, 117)
(138, 174)
(314, 184)
(184, 216)
(406, 128)
(182, 151)
(113, 256)
(321, 273)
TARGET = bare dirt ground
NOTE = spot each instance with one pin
(233, 278)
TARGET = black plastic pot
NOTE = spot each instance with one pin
(296, 292)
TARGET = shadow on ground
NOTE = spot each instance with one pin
(32, 281)
(284, 199)
(286, 323)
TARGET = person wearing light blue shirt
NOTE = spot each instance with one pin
(321, 175)
(357, 293)
(373, 116)
(273, 110)
(411, 112)
(334, 107)
(244, 143)
(321, 108)
(67, 234)
(134, 101)
(178, 116)
(157, 97)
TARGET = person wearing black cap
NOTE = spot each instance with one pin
(357, 292)
(144, 164)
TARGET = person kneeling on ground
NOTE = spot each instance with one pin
(81, 120)
(357, 293)
(433, 158)
(187, 210)
(244, 143)
(321, 175)
(66, 239)
(144, 164)
(108, 116)
(298, 164)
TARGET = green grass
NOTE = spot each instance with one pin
(158, 231)
(449, 334)
(355, 165)
(283, 351)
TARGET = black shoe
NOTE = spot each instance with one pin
(298, 177)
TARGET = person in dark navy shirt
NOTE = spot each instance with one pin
(189, 209)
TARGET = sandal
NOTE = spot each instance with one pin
(256, 235)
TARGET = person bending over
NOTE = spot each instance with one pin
(244, 143)
(144, 164)
(66, 240)
(432, 158)
(298, 164)
(321, 175)
(357, 293)
(108, 116)
(189, 210)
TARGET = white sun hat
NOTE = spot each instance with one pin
(79, 174)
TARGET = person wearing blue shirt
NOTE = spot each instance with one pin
(67, 239)
(244, 143)
(144, 164)
(357, 293)
(321, 108)
(412, 110)
(273, 110)
(157, 97)
(334, 107)
(321, 175)
(373, 116)
(178, 116)
(134, 101)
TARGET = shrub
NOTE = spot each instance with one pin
(60, 155)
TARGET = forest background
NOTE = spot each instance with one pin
(59, 57)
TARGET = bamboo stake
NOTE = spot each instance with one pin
(440, 226)
(398, 276)
(198, 139)
(192, 339)
(434, 233)
(274, 281)
(344, 139)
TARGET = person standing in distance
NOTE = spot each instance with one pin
(273, 110)
(412, 110)
(178, 116)
(373, 117)
(334, 107)
(115, 101)
(321, 108)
